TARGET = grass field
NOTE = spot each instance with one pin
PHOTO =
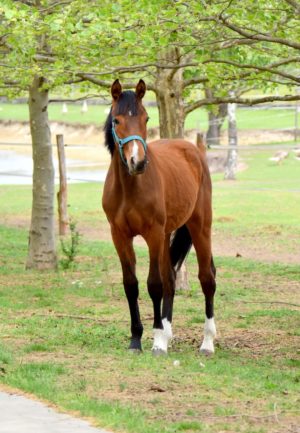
(246, 118)
(63, 336)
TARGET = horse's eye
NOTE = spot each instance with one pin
(116, 122)
(147, 119)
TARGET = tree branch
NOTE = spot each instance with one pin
(82, 98)
(268, 69)
(245, 101)
(107, 84)
(58, 3)
(43, 58)
(124, 69)
(27, 2)
(258, 36)
(294, 4)
(195, 80)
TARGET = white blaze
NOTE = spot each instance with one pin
(135, 152)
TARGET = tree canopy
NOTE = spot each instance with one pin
(218, 43)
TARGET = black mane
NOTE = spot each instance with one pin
(127, 102)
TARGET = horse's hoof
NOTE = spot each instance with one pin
(135, 345)
(135, 351)
(159, 352)
(206, 352)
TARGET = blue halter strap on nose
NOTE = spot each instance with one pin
(122, 141)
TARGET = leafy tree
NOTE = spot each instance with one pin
(38, 43)
(192, 54)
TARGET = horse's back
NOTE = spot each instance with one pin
(184, 154)
(175, 147)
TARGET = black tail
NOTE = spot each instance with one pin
(180, 246)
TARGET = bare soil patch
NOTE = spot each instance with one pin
(252, 247)
(224, 244)
(90, 138)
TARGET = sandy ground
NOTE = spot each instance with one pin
(91, 138)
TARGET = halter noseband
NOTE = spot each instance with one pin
(122, 141)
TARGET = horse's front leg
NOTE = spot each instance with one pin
(124, 247)
(162, 329)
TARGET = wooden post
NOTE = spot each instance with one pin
(200, 142)
(297, 111)
(63, 219)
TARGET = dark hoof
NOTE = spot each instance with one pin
(206, 352)
(159, 352)
(135, 351)
(135, 345)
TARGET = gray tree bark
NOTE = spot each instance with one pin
(41, 250)
(169, 96)
(231, 163)
(216, 121)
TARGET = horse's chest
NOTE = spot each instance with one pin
(134, 219)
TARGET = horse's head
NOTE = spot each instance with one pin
(129, 119)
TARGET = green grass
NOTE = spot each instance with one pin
(50, 350)
(246, 118)
(63, 335)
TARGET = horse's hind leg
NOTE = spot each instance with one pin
(168, 274)
(207, 272)
(124, 247)
(162, 330)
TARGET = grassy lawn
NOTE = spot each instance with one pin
(263, 206)
(63, 335)
(246, 118)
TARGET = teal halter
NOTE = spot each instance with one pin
(122, 141)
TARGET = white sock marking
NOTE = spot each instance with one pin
(209, 335)
(162, 336)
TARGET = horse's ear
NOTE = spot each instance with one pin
(140, 89)
(116, 90)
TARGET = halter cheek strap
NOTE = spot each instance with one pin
(122, 141)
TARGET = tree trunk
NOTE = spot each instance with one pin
(215, 121)
(169, 96)
(231, 164)
(41, 251)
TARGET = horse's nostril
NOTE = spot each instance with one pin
(141, 165)
(132, 160)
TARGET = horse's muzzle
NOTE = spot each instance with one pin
(137, 168)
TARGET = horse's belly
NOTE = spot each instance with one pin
(176, 220)
(180, 206)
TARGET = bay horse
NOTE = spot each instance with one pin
(161, 191)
